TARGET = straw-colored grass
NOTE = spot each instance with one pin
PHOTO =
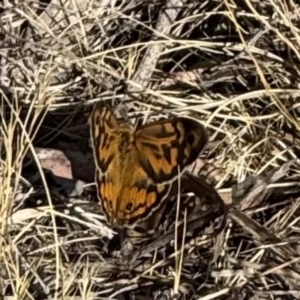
(234, 65)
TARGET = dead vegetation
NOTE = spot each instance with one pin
(232, 64)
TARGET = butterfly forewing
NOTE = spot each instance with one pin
(167, 145)
(106, 145)
(104, 137)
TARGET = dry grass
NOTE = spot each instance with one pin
(233, 64)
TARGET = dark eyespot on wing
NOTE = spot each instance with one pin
(129, 206)
(156, 193)
(190, 138)
(144, 198)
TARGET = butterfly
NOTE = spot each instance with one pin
(136, 168)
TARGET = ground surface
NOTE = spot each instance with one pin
(233, 65)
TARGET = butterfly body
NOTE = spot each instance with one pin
(135, 169)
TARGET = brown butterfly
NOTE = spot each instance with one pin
(135, 169)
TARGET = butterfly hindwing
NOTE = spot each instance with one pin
(140, 196)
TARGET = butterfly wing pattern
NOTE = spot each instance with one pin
(135, 169)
